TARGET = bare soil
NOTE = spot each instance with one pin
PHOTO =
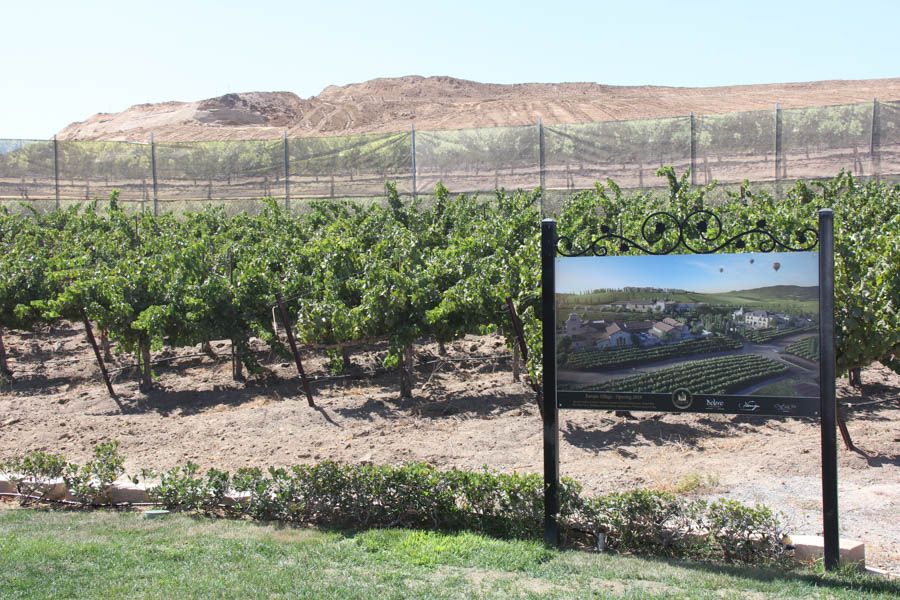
(466, 412)
(439, 103)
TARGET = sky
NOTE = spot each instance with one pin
(703, 273)
(64, 61)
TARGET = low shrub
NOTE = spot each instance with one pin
(178, 487)
(662, 524)
(34, 474)
(417, 495)
(88, 483)
(739, 533)
(413, 495)
(645, 521)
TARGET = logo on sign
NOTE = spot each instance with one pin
(715, 404)
(786, 408)
(748, 406)
(682, 398)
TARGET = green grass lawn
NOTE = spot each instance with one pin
(107, 555)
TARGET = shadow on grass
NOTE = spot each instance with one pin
(846, 578)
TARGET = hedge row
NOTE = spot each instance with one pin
(417, 495)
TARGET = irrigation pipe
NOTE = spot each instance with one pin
(81, 504)
(882, 401)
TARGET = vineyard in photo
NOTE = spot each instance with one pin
(724, 375)
(807, 348)
(598, 359)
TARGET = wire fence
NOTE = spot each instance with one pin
(770, 148)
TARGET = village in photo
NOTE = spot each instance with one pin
(690, 325)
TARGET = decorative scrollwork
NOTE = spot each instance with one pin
(664, 233)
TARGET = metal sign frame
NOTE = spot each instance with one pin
(707, 226)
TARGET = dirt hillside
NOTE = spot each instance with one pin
(434, 103)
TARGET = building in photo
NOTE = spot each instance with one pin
(760, 319)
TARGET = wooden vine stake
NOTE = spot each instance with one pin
(237, 361)
(93, 342)
(523, 348)
(293, 344)
(516, 370)
(207, 349)
(406, 376)
(146, 380)
(5, 372)
(104, 344)
(842, 427)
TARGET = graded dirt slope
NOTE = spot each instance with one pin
(435, 103)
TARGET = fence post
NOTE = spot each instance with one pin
(779, 158)
(287, 170)
(874, 153)
(153, 170)
(541, 160)
(412, 152)
(56, 168)
(693, 151)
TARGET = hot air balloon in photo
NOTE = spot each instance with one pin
(776, 266)
(751, 261)
(721, 269)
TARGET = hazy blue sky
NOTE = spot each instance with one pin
(63, 61)
(693, 272)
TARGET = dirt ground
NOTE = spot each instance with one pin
(467, 412)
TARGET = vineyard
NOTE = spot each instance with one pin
(807, 348)
(340, 274)
(626, 357)
(722, 375)
(344, 273)
(761, 336)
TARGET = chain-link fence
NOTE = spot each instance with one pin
(770, 148)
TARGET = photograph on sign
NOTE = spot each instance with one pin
(732, 333)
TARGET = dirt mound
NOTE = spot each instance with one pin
(434, 103)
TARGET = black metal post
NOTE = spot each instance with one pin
(412, 152)
(56, 168)
(827, 388)
(541, 161)
(153, 170)
(287, 174)
(551, 410)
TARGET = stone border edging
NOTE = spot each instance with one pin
(122, 491)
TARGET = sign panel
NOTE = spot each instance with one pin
(716, 333)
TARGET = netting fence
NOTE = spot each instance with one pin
(769, 148)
